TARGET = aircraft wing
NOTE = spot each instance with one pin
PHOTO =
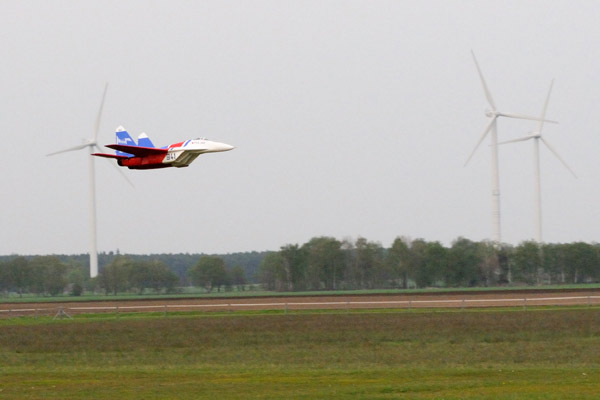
(138, 150)
(110, 156)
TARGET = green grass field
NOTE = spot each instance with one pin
(535, 354)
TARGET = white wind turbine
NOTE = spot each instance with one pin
(491, 128)
(92, 144)
(537, 136)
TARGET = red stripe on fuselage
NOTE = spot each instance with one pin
(151, 161)
(148, 162)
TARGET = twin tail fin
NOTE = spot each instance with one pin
(124, 139)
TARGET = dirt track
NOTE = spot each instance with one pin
(519, 298)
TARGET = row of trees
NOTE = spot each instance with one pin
(323, 263)
(127, 275)
(330, 264)
(124, 274)
(211, 273)
(48, 275)
(43, 275)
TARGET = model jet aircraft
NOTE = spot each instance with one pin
(144, 155)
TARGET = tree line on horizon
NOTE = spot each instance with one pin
(49, 276)
(322, 263)
(325, 263)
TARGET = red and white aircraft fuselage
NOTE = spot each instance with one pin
(144, 155)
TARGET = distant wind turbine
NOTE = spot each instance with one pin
(92, 144)
(537, 136)
(491, 128)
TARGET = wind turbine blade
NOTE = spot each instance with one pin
(121, 172)
(543, 116)
(488, 95)
(81, 146)
(118, 169)
(557, 156)
(523, 139)
(523, 116)
(99, 117)
(485, 132)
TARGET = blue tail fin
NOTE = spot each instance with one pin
(124, 138)
(144, 141)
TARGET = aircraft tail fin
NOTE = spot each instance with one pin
(144, 141)
(123, 138)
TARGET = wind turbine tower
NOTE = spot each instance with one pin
(537, 137)
(92, 145)
(492, 113)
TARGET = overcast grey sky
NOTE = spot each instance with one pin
(350, 118)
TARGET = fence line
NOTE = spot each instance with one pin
(408, 303)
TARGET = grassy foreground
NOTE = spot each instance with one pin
(549, 354)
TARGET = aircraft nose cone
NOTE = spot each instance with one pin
(215, 147)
